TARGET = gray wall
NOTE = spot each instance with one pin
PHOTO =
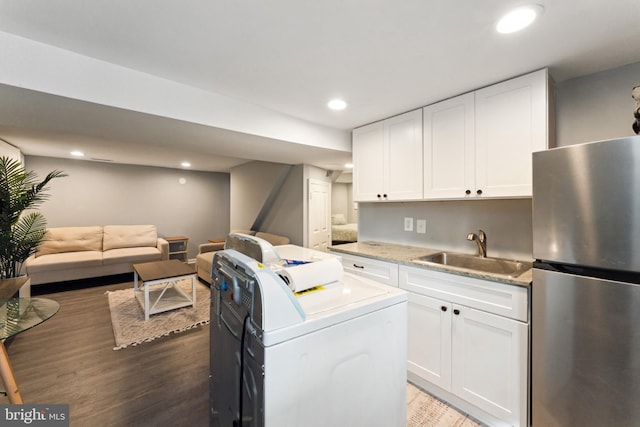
(596, 107)
(507, 224)
(286, 213)
(251, 185)
(589, 108)
(97, 193)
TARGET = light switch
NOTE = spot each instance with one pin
(408, 224)
(421, 226)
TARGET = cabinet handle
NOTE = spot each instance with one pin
(379, 196)
(384, 195)
(456, 311)
(479, 192)
(358, 266)
(443, 308)
(467, 192)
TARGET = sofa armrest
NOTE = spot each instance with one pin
(274, 239)
(210, 247)
(163, 247)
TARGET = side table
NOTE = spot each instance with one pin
(178, 247)
(18, 315)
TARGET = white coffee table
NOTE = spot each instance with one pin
(167, 295)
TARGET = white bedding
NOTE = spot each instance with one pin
(345, 232)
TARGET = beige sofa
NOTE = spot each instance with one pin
(70, 253)
(206, 251)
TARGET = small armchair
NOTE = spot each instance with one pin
(204, 259)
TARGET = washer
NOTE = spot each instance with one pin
(331, 356)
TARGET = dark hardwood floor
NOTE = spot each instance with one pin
(70, 359)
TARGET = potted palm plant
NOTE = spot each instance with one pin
(20, 232)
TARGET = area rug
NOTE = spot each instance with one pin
(424, 410)
(130, 328)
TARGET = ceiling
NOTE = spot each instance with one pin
(290, 57)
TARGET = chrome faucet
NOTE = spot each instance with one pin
(481, 240)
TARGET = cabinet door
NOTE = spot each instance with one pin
(429, 339)
(368, 160)
(489, 363)
(403, 154)
(449, 148)
(511, 123)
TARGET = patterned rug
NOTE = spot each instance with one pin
(424, 410)
(130, 328)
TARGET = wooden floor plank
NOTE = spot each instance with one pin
(70, 359)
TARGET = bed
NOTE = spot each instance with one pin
(341, 231)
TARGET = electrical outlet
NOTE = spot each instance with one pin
(408, 224)
(421, 226)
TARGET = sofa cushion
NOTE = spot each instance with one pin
(64, 261)
(70, 239)
(129, 236)
(131, 255)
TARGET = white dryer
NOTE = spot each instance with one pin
(334, 355)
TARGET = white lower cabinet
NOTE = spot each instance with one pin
(464, 352)
(489, 360)
(380, 271)
(429, 339)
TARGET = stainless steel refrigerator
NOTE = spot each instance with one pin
(585, 305)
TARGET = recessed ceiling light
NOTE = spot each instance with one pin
(185, 164)
(349, 165)
(337, 104)
(77, 153)
(519, 18)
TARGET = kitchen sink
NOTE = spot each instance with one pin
(499, 266)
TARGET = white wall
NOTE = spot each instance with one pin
(76, 76)
(342, 201)
(340, 198)
(8, 150)
(97, 193)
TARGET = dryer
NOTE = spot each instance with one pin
(334, 355)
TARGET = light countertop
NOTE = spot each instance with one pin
(403, 254)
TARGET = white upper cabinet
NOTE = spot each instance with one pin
(479, 144)
(512, 121)
(449, 147)
(368, 162)
(387, 158)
